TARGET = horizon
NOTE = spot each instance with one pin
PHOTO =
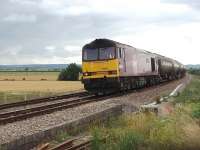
(62, 64)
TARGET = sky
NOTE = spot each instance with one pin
(54, 31)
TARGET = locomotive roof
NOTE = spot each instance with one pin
(100, 43)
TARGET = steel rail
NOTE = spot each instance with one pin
(38, 108)
(82, 146)
(53, 98)
(64, 145)
(18, 115)
(69, 145)
(41, 100)
(47, 109)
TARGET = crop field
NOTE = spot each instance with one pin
(28, 76)
(37, 84)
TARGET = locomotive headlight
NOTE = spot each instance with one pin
(85, 74)
(120, 66)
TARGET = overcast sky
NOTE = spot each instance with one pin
(53, 31)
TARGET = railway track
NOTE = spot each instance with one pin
(76, 99)
(42, 100)
(17, 115)
(71, 144)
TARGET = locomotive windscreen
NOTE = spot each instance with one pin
(90, 54)
(106, 53)
(99, 54)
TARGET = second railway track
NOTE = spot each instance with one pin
(17, 115)
(42, 100)
(57, 103)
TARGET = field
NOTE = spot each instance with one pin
(28, 76)
(15, 89)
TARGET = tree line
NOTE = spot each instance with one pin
(195, 71)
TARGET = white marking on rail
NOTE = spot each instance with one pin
(174, 92)
(153, 106)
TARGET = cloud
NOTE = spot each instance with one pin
(20, 18)
(25, 2)
(191, 3)
(54, 31)
(50, 48)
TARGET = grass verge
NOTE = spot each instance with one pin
(178, 130)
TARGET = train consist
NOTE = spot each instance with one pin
(112, 66)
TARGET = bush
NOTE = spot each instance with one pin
(194, 71)
(71, 73)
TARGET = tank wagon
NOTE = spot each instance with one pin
(112, 66)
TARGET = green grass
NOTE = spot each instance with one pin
(179, 130)
(191, 92)
(62, 136)
(196, 111)
(191, 97)
(140, 131)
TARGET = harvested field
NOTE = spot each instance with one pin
(41, 86)
(12, 91)
(19, 86)
(28, 76)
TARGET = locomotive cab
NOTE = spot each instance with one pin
(100, 66)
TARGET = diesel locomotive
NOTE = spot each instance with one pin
(110, 66)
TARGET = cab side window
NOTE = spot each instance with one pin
(153, 67)
(120, 53)
(123, 52)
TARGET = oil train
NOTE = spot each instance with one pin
(112, 66)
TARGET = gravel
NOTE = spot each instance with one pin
(132, 102)
(33, 125)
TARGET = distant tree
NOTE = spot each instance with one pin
(26, 69)
(56, 69)
(71, 73)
